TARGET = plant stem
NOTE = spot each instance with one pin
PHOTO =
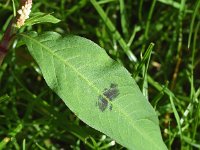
(6, 41)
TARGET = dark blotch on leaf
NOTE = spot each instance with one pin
(108, 95)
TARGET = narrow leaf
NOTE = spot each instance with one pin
(40, 17)
(97, 89)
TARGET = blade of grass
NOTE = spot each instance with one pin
(123, 18)
(171, 3)
(146, 32)
(194, 94)
(24, 144)
(196, 10)
(145, 81)
(180, 42)
(135, 30)
(157, 98)
(159, 87)
(107, 1)
(140, 10)
(144, 60)
(176, 114)
(114, 31)
(11, 135)
(171, 97)
(143, 68)
(76, 7)
(14, 8)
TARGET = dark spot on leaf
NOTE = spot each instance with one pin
(109, 94)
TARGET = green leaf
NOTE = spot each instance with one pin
(97, 89)
(40, 17)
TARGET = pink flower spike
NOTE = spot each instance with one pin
(24, 12)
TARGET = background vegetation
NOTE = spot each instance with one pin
(33, 117)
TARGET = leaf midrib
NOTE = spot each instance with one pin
(94, 87)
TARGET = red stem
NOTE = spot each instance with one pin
(5, 42)
(9, 34)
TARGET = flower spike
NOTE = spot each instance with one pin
(24, 12)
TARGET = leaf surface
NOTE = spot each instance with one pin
(97, 89)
